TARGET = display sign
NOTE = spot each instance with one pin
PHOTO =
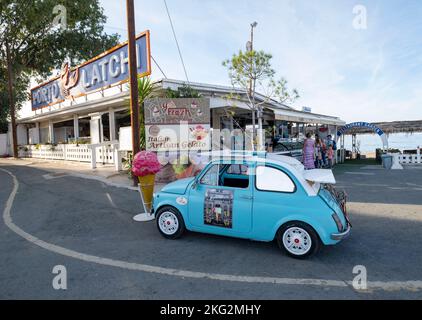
(218, 208)
(172, 111)
(125, 138)
(177, 124)
(106, 70)
(371, 126)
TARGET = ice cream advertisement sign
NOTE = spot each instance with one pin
(109, 69)
(177, 137)
(177, 124)
(172, 111)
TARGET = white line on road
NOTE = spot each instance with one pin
(384, 285)
(361, 173)
(111, 200)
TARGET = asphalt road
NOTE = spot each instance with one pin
(87, 227)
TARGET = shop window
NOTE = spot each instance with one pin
(43, 135)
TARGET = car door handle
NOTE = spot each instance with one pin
(246, 197)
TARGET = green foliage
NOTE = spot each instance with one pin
(250, 65)
(185, 91)
(127, 164)
(146, 89)
(181, 165)
(38, 47)
(252, 72)
(20, 96)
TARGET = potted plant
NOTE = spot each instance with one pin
(144, 166)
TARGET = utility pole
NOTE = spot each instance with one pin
(134, 102)
(249, 46)
(11, 101)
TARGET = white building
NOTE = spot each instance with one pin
(97, 118)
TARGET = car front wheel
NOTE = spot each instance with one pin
(298, 240)
(170, 222)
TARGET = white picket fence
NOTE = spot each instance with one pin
(410, 159)
(104, 153)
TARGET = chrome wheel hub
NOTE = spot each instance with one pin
(168, 223)
(297, 241)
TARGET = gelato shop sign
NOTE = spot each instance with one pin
(109, 69)
(181, 137)
(177, 124)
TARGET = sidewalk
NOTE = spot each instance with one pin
(103, 173)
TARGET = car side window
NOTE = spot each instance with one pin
(272, 179)
(237, 176)
(212, 176)
(239, 169)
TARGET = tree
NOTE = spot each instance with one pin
(252, 73)
(146, 89)
(42, 34)
(19, 97)
(184, 91)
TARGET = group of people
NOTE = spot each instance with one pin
(318, 153)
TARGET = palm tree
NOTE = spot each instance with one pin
(146, 89)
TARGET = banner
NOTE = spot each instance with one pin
(177, 124)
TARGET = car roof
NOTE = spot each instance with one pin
(254, 156)
(294, 166)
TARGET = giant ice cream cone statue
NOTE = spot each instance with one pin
(145, 165)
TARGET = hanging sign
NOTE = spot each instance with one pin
(371, 126)
(177, 124)
(109, 69)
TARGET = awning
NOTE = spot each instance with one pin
(306, 117)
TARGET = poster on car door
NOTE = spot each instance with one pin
(218, 208)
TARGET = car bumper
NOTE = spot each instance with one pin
(342, 235)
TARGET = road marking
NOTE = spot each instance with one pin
(372, 285)
(361, 173)
(56, 175)
(111, 200)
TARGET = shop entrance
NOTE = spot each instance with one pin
(356, 151)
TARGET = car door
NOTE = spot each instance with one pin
(222, 207)
(276, 196)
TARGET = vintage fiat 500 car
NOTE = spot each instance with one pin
(262, 198)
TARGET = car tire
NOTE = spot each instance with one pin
(299, 240)
(170, 222)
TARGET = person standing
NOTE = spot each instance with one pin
(323, 153)
(331, 143)
(318, 153)
(308, 152)
(330, 155)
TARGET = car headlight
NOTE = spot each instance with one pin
(338, 222)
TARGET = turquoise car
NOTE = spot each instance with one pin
(262, 197)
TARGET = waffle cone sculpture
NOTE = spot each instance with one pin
(145, 165)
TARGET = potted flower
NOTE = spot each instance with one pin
(144, 166)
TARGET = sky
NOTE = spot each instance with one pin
(370, 73)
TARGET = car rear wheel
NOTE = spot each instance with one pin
(170, 222)
(298, 240)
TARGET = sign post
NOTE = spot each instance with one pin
(134, 103)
